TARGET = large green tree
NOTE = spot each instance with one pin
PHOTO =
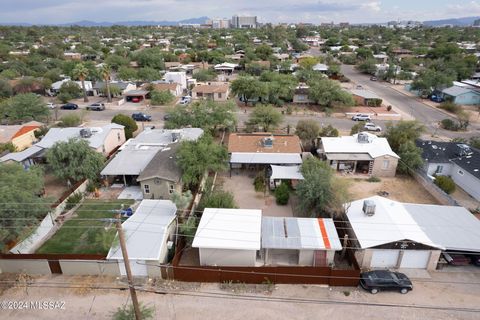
(208, 115)
(195, 158)
(430, 80)
(402, 132)
(265, 116)
(321, 194)
(24, 107)
(328, 93)
(20, 206)
(410, 158)
(129, 124)
(74, 160)
(248, 88)
(308, 131)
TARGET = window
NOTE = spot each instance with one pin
(386, 164)
(118, 136)
(460, 172)
(146, 188)
(439, 169)
(172, 189)
(219, 96)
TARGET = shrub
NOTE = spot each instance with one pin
(445, 183)
(124, 313)
(259, 183)
(129, 124)
(389, 108)
(217, 199)
(282, 194)
(358, 127)
(450, 107)
(70, 120)
(73, 200)
(374, 179)
(449, 124)
(161, 97)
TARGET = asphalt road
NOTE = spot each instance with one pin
(428, 115)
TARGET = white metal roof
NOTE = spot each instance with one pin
(286, 172)
(376, 146)
(390, 223)
(229, 229)
(455, 228)
(365, 94)
(146, 230)
(130, 162)
(299, 233)
(265, 158)
(22, 155)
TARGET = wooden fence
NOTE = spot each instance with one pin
(265, 274)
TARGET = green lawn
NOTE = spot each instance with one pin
(85, 236)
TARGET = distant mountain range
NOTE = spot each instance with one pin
(87, 23)
(461, 22)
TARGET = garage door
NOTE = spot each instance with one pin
(415, 259)
(384, 259)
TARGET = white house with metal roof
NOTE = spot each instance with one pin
(229, 237)
(104, 140)
(148, 233)
(391, 234)
(362, 153)
(299, 241)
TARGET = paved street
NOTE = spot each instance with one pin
(429, 116)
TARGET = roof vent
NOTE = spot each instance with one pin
(362, 137)
(267, 142)
(85, 133)
(369, 207)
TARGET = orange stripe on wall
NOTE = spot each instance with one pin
(324, 233)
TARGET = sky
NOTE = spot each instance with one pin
(314, 11)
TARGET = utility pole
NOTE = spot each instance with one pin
(123, 246)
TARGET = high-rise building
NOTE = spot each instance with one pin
(220, 23)
(244, 22)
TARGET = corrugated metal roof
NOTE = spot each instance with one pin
(375, 147)
(455, 228)
(146, 230)
(299, 233)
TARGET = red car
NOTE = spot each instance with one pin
(135, 99)
(456, 259)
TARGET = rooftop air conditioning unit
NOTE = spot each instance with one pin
(267, 142)
(369, 207)
(85, 133)
(363, 137)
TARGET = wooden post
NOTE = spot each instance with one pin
(123, 246)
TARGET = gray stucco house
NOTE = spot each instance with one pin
(459, 161)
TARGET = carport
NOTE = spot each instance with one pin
(133, 95)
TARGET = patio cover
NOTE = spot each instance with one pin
(266, 158)
(286, 172)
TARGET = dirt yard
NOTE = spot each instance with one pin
(404, 189)
(443, 296)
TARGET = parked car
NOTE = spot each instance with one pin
(380, 280)
(50, 105)
(141, 117)
(69, 106)
(361, 117)
(436, 98)
(184, 102)
(135, 99)
(373, 78)
(370, 126)
(456, 259)
(96, 107)
(189, 98)
(475, 260)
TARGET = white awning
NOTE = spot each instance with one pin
(286, 172)
(265, 158)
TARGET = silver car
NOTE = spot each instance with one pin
(361, 117)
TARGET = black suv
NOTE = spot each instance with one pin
(378, 280)
(69, 106)
(141, 117)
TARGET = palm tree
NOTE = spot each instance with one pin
(80, 72)
(106, 72)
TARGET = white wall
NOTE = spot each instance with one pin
(225, 257)
(446, 171)
(89, 267)
(26, 266)
(466, 181)
(305, 258)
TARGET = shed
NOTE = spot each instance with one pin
(290, 173)
(147, 233)
(299, 241)
(228, 237)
